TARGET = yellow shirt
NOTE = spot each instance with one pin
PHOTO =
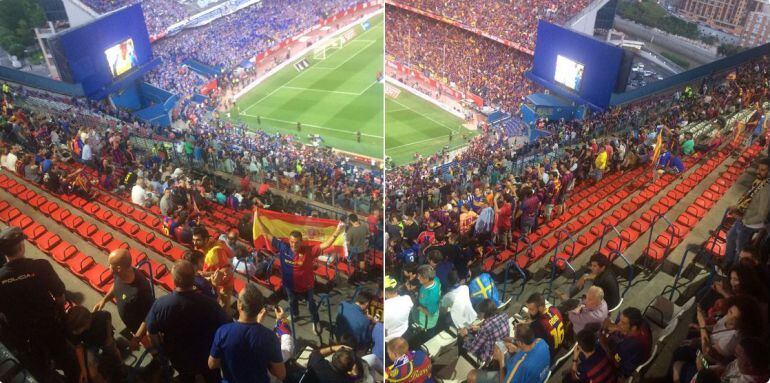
(601, 161)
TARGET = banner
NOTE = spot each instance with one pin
(208, 87)
(314, 230)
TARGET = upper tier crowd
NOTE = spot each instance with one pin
(452, 55)
(158, 14)
(515, 21)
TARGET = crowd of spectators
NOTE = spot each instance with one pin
(158, 14)
(440, 229)
(193, 319)
(495, 17)
(453, 55)
(228, 41)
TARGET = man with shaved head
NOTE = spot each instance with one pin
(132, 293)
(183, 324)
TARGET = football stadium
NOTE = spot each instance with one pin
(336, 97)
(191, 191)
(605, 221)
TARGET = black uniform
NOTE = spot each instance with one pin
(27, 291)
(133, 300)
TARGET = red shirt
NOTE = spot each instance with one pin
(297, 269)
(504, 217)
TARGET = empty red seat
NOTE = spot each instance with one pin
(696, 211)
(8, 214)
(687, 219)
(103, 215)
(710, 195)
(629, 235)
(130, 228)
(595, 212)
(658, 208)
(605, 205)
(584, 219)
(614, 200)
(116, 221)
(162, 247)
(704, 203)
(21, 221)
(655, 251)
(619, 214)
(79, 203)
(145, 237)
(86, 230)
(715, 247)
(80, 263)
(638, 200)
(34, 231)
(667, 239)
(47, 242)
(667, 202)
(63, 251)
(90, 208)
(99, 277)
(17, 190)
(610, 220)
(153, 222)
(38, 201)
(61, 215)
(629, 207)
(4, 204)
(101, 238)
(48, 208)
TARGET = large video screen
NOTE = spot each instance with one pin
(568, 73)
(121, 57)
(575, 66)
(98, 53)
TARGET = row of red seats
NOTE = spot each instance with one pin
(75, 224)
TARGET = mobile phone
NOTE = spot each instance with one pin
(501, 345)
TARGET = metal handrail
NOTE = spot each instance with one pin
(606, 227)
(324, 299)
(658, 217)
(515, 265)
(629, 267)
(139, 265)
(568, 265)
(559, 239)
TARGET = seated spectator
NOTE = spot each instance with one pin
(245, 350)
(457, 302)
(527, 360)
(352, 320)
(629, 342)
(138, 193)
(751, 364)
(590, 363)
(232, 240)
(94, 340)
(479, 339)
(688, 146)
(408, 366)
(591, 313)
(397, 310)
(547, 323)
(345, 367)
(601, 276)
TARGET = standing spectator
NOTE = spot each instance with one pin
(458, 303)
(428, 299)
(297, 261)
(396, 310)
(528, 364)
(201, 283)
(246, 350)
(216, 264)
(132, 293)
(183, 323)
(480, 340)
(751, 211)
(356, 235)
(32, 301)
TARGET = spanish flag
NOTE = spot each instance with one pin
(658, 150)
(314, 230)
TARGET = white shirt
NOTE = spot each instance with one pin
(86, 154)
(287, 347)
(458, 302)
(396, 311)
(138, 195)
(10, 162)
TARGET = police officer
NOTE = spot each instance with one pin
(32, 302)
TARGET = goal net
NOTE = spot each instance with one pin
(321, 52)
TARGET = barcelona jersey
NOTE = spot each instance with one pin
(414, 367)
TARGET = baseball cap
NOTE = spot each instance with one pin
(10, 237)
(390, 282)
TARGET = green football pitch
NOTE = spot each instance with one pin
(335, 97)
(418, 126)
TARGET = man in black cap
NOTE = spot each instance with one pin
(32, 302)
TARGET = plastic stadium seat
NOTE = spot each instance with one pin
(711, 196)
(79, 203)
(48, 208)
(17, 190)
(620, 215)
(597, 230)
(613, 199)
(116, 221)
(61, 215)
(47, 242)
(548, 243)
(584, 219)
(126, 209)
(610, 220)
(574, 226)
(101, 239)
(696, 211)
(63, 251)
(153, 222)
(658, 208)
(139, 215)
(622, 194)
(687, 219)
(114, 245)
(595, 212)
(80, 263)
(675, 195)
(629, 207)
(704, 203)
(131, 228)
(654, 188)
(605, 205)
(137, 257)
(162, 247)
(583, 205)
(682, 189)
(146, 238)
(717, 189)
(103, 215)
(99, 277)
(655, 252)
(667, 239)
(34, 231)
(629, 235)
(90, 208)
(155, 210)
(86, 230)
(4, 204)
(21, 221)
(639, 200)
(8, 214)
(176, 253)
(38, 201)
(667, 202)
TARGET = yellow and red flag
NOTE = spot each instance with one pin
(314, 230)
(658, 149)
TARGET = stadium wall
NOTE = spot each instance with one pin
(425, 97)
(374, 6)
(40, 82)
(678, 81)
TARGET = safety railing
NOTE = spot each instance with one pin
(508, 265)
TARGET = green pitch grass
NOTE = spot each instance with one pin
(414, 125)
(335, 97)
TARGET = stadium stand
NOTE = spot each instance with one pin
(83, 183)
(601, 205)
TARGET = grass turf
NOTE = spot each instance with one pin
(335, 97)
(414, 125)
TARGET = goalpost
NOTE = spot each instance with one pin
(335, 43)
